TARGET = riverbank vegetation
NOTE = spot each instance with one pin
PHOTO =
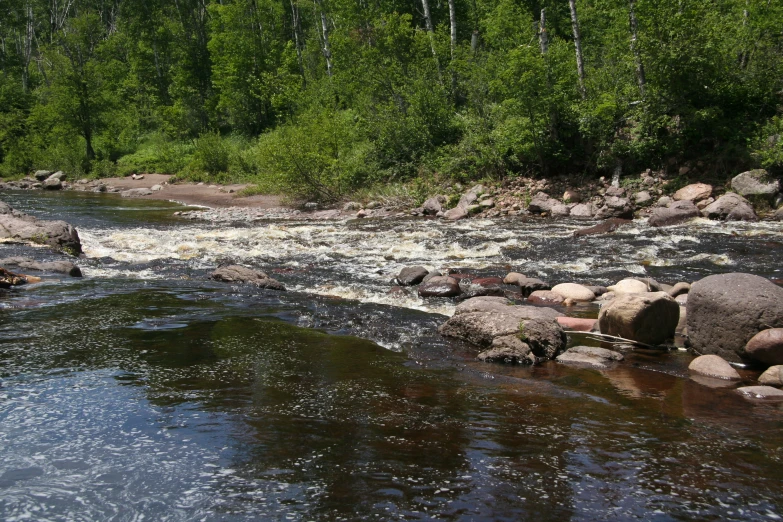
(321, 98)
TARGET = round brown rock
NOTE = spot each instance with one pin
(773, 376)
(649, 318)
(693, 192)
(713, 366)
(766, 346)
(725, 311)
(547, 297)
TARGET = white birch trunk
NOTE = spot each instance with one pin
(580, 64)
(637, 55)
(431, 32)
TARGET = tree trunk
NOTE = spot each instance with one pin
(28, 48)
(431, 32)
(453, 28)
(327, 49)
(580, 64)
(637, 55)
(744, 53)
(297, 39)
(543, 40)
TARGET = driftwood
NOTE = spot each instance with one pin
(9, 279)
(612, 339)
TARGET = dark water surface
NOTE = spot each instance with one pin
(145, 392)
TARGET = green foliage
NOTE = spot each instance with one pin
(239, 89)
(320, 156)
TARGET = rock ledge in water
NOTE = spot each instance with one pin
(241, 274)
(17, 226)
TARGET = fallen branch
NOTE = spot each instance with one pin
(612, 339)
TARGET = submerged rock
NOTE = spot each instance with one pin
(761, 392)
(241, 274)
(62, 267)
(610, 225)
(589, 356)
(17, 226)
(725, 311)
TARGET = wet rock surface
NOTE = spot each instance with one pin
(15, 225)
(713, 366)
(590, 356)
(242, 274)
(725, 311)
(649, 318)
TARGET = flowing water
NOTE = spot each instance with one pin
(144, 391)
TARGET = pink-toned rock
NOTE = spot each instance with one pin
(761, 392)
(577, 323)
(766, 346)
(713, 366)
(694, 192)
(575, 292)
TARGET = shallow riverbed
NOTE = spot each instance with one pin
(145, 391)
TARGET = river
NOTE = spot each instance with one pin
(144, 391)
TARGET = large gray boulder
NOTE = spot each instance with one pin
(755, 183)
(41, 175)
(725, 311)
(542, 203)
(242, 274)
(583, 211)
(483, 319)
(615, 207)
(677, 212)
(17, 226)
(412, 275)
(52, 184)
(649, 318)
(433, 205)
(730, 207)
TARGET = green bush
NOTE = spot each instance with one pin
(211, 154)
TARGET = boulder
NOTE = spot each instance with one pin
(642, 198)
(761, 392)
(440, 286)
(541, 203)
(649, 318)
(560, 210)
(589, 356)
(433, 205)
(545, 297)
(778, 216)
(528, 285)
(481, 319)
(615, 207)
(577, 324)
(508, 350)
(575, 292)
(772, 377)
(42, 175)
(59, 175)
(679, 289)
(766, 346)
(725, 311)
(53, 184)
(62, 267)
(431, 275)
(512, 278)
(352, 206)
(629, 286)
(755, 183)
(663, 201)
(484, 286)
(610, 225)
(731, 207)
(456, 213)
(693, 192)
(135, 193)
(678, 212)
(241, 274)
(156, 188)
(615, 191)
(583, 211)
(412, 275)
(713, 366)
(571, 196)
(17, 226)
